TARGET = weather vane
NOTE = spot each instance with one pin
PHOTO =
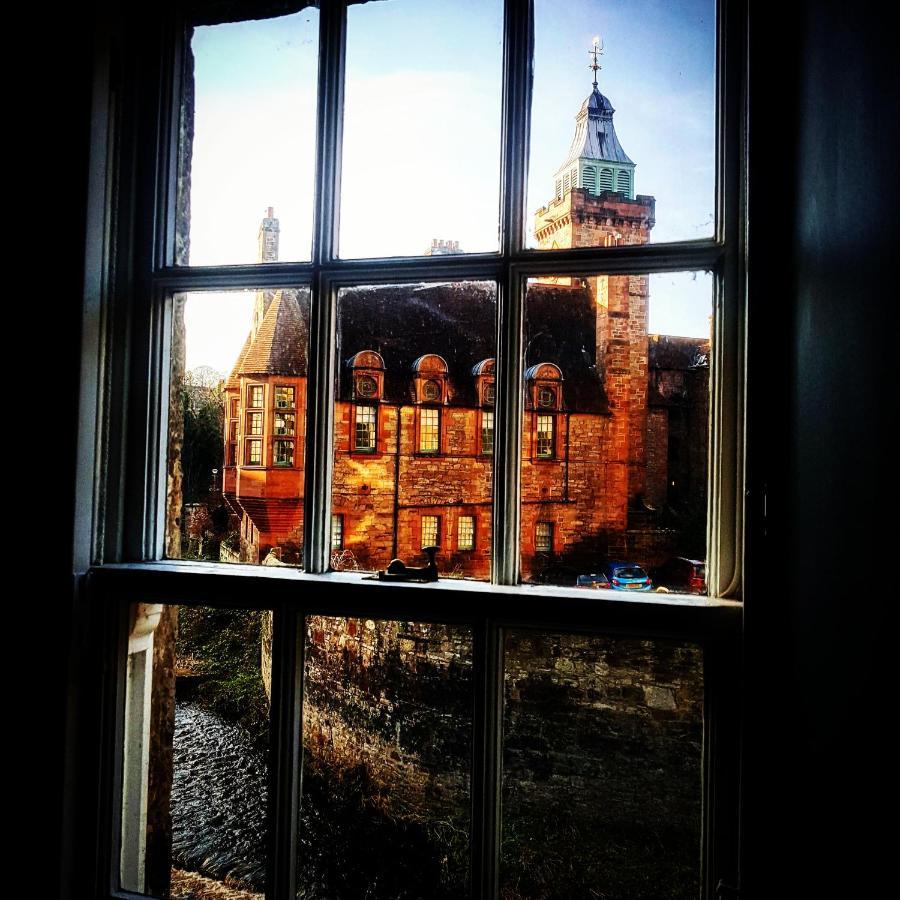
(595, 51)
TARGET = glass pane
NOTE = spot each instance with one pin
(602, 749)
(421, 157)
(415, 365)
(236, 481)
(248, 141)
(387, 748)
(623, 154)
(195, 771)
(616, 430)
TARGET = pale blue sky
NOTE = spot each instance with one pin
(422, 139)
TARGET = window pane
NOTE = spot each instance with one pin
(487, 431)
(602, 748)
(631, 159)
(616, 428)
(421, 153)
(422, 356)
(235, 485)
(249, 126)
(465, 533)
(431, 533)
(387, 748)
(429, 431)
(195, 773)
(366, 418)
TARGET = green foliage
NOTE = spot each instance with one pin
(204, 442)
(221, 649)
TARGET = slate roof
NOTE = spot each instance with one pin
(280, 344)
(455, 320)
(595, 135)
(667, 351)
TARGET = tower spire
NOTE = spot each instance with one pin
(595, 51)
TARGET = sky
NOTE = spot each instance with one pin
(421, 151)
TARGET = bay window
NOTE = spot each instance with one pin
(516, 653)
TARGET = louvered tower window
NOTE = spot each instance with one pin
(606, 179)
(589, 179)
(623, 181)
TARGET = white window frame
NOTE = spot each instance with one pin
(130, 284)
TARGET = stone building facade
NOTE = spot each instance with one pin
(611, 412)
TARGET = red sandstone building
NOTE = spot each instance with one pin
(616, 420)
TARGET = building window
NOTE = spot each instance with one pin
(337, 531)
(487, 431)
(366, 419)
(465, 533)
(431, 531)
(255, 396)
(429, 430)
(283, 454)
(543, 537)
(284, 423)
(284, 396)
(254, 453)
(545, 448)
(254, 423)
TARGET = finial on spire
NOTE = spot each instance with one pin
(595, 51)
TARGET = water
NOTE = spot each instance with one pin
(219, 798)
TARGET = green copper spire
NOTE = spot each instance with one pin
(596, 160)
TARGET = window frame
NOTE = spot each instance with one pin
(130, 285)
(373, 431)
(548, 453)
(436, 527)
(473, 531)
(421, 413)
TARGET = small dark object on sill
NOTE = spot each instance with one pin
(397, 570)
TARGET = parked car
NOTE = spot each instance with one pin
(682, 575)
(593, 580)
(627, 576)
(570, 577)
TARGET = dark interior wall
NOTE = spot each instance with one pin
(822, 219)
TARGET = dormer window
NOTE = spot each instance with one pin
(544, 387)
(430, 379)
(544, 383)
(367, 389)
(367, 374)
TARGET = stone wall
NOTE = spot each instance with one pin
(602, 739)
(395, 698)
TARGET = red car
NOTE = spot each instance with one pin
(681, 575)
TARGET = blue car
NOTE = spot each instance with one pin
(627, 576)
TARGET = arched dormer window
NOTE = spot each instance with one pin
(484, 390)
(544, 387)
(367, 368)
(430, 379)
(367, 389)
(544, 396)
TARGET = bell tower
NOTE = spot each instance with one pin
(594, 205)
